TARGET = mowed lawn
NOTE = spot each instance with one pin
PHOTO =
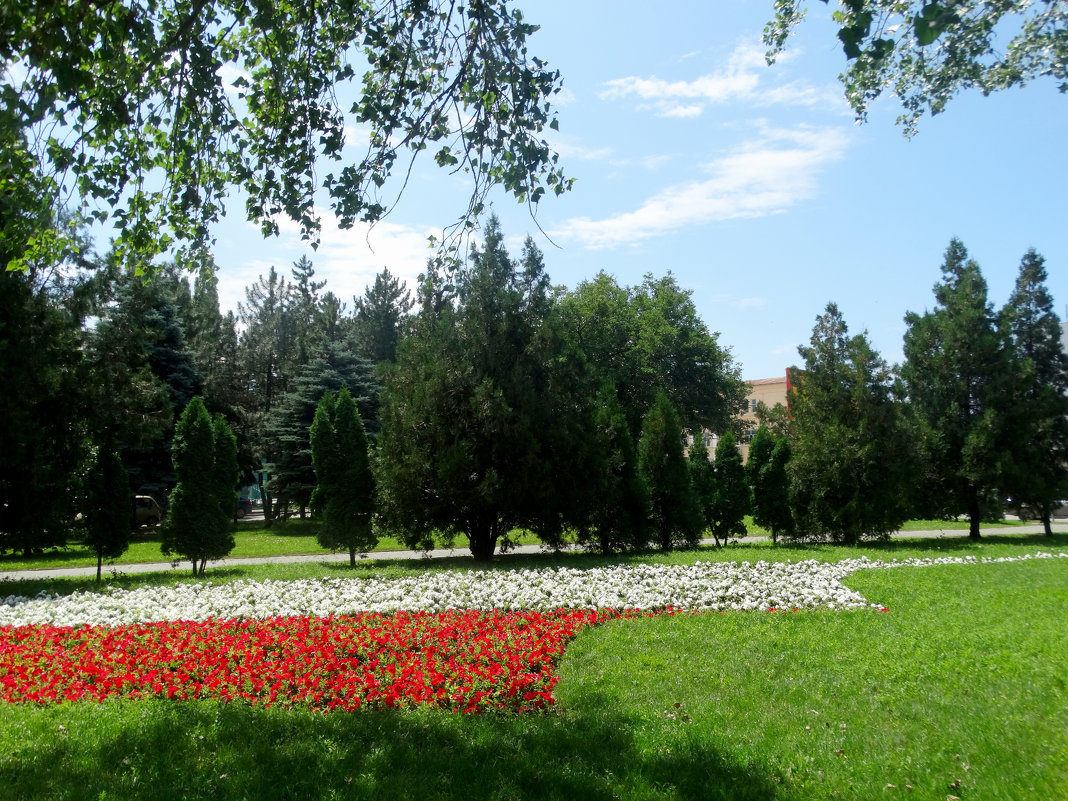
(958, 690)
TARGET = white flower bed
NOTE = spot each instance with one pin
(702, 587)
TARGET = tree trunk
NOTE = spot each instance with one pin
(973, 515)
(1046, 526)
(265, 499)
(483, 541)
(99, 564)
(352, 557)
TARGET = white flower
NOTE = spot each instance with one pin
(706, 587)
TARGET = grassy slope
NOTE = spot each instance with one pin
(962, 680)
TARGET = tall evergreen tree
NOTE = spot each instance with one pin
(775, 484)
(480, 414)
(703, 480)
(381, 317)
(266, 352)
(306, 311)
(675, 513)
(959, 376)
(852, 467)
(766, 473)
(198, 523)
(41, 443)
(337, 366)
(619, 517)
(760, 447)
(730, 500)
(1036, 474)
(345, 494)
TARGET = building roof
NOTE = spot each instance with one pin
(756, 382)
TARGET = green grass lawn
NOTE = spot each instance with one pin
(297, 536)
(960, 689)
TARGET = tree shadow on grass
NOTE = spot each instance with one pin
(222, 751)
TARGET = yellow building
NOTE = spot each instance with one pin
(768, 391)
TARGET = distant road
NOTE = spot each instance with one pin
(1059, 526)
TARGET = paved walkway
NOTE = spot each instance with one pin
(1059, 526)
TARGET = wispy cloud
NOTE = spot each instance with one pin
(764, 176)
(349, 259)
(743, 78)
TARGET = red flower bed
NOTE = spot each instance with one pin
(466, 661)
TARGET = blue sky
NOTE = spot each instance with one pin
(751, 184)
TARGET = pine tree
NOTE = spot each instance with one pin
(703, 480)
(345, 494)
(381, 317)
(757, 475)
(198, 523)
(675, 513)
(1036, 474)
(336, 366)
(481, 411)
(775, 486)
(959, 376)
(852, 467)
(730, 499)
(619, 519)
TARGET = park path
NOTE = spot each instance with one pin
(1059, 526)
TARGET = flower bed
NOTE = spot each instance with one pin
(461, 661)
(464, 641)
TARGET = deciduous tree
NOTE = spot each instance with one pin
(649, 339)
(213, 94)
(926, 52)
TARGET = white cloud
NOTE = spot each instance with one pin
(765, 176)
(740, 79)
(682, 112)
(564, 97)
(579, 152)
(349, 259)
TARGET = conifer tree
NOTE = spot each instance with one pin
(760, 449)
(481, 413)
(620, 507)
(1036, 473)
(703, 480)
(675, 513)
(198, 523)
(852, 467)
(959, 376)
(730, 499)
(775, 486)
(344, 497)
